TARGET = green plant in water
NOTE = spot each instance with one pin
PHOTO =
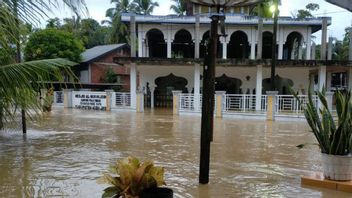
(334, 137)
(131, 177)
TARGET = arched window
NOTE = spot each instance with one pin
(156, 44)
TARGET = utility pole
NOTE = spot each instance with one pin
(208, 101)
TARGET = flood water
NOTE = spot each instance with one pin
(63, 155)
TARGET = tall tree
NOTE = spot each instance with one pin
(179, 7)
(306, 13)
(118, 30)
(144, 7)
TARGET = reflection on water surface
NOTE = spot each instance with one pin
(65, 153)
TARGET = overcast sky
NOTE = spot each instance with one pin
(340, 17)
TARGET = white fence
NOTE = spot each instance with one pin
(289, 104)
(246, 103)
(188, 102)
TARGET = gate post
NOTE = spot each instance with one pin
(270, 114)
(140, 102)
(67, 98)
(108, 99)
(220, 98)
(176, 101)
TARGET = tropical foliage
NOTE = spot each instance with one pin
(144, 7)
(53, 43)
(334, 137)
(130, 177)
(19, 82)
(306, 13)
(179, 7)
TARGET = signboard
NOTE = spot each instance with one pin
(89, 100)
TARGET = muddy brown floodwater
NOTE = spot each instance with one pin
(64, 154)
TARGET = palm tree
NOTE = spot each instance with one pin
(144, 7)
(180, 7)
(118, 30)
(19, 82)
(263, 9)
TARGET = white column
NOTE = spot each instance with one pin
(330, 48)
(152, 89)
(322, 77)
(309, 43)
(313, 51)
(281, 51)
(224, 48)
(133, 85)
(258, 88)
(260, 39)
(328, 81)
(133, 35)
(196, 87)
(140, 42)
(169, 44)
(324, 34)
(300, 51)
(197, 37)
(253, 43)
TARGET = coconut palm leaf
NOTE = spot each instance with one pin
(20, 84)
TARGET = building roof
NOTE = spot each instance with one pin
(99, 51)
(231, 19)
(347, 4)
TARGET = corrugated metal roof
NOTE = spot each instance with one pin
(97, 51)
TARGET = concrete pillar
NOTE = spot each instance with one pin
(322, 77)
(252, 57)
(328, 81)
(169, 41)
(108, 99)
(169, 49)
(308, 44)
(300, 51)
(67, 98)
(313, 51)
(224, 47)
(220, 99)
(253, 43)
(329, 95)
(271, 111)
(176, 101)
(140, 102)
(260, 39)
(197, 87)
(152, 89)
(140, 43)
(197, 37)
(133, 85)
(133, 35)
(323, 38)
(281, 51)
(258, 88)
(330, 48)
(350, 48)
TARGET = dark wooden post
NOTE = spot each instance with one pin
(208, 101)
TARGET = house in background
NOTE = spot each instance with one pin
(170, 51)
(97, 67)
